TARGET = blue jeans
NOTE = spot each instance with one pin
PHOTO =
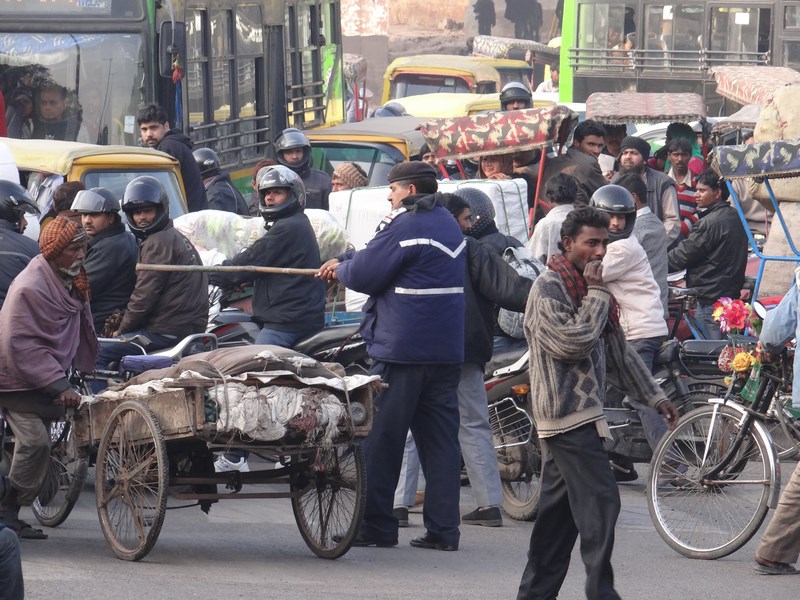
(654, 425)
(12, 586)
(702, 313)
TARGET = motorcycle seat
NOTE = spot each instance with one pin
(325, 337)
(505, 357)
(703, 349)
(667, 353)
(137, 364)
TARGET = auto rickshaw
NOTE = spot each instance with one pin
(447, 106)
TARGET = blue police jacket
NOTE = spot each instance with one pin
(413, 271)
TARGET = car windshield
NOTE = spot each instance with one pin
(116, 181)
(79, 87)
(412, 84)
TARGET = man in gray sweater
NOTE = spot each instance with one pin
(575, 341)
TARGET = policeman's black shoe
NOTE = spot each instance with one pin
(362, 541)
(432, 543)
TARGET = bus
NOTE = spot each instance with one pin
(232, 74)
(651, 46)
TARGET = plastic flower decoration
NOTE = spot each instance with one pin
(742, 362)
(734, 316)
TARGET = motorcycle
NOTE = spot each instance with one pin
(687, 372)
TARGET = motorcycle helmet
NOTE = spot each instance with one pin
(481, 207)
(146, 192)
(291, 139)
(390, 109)
(14, 201)
(515, 90)
(278, 176)
(616, 200)
(207, 161)
(95, 200)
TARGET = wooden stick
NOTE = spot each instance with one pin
(226, 269)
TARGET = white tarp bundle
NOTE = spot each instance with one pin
(228, 233)
(360, 210)
(264, 413)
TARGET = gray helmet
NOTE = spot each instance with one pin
(481, 207)
(278, 176)
(207, 161)
(95, 200)
(146, 192)
(515, 90)
(291, 139)
(14, 201)
(616, 200)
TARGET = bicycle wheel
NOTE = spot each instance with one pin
(702, 518)
(331, 507)
(64, 480)
(132, 479)
(698, 396)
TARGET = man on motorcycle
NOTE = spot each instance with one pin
(288, 307)
(47, 309)
(16, 250)
(627, 273)
(576, 342)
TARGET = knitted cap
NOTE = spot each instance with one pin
(635, 143)
(351, 174)
(411, 170)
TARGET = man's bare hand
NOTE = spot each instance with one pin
(668, 411)
(69, 398)
(328, 270)
(593, 273)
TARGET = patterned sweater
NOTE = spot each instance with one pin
(571, 360)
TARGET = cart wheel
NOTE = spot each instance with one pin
(330, 510)
(64, 480)
(132, 480)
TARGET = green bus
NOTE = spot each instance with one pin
(231, 73)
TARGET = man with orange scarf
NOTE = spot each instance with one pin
(47, 309)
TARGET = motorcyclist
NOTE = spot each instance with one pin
(220, 191)
(515, 95)
(627, 274)
(111, 256)
(293, 150)
(16, 250)
(288, 307)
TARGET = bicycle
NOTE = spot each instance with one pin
(713, 478)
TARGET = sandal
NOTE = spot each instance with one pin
(24, 531)
(774, 568)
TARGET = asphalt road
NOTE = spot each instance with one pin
(252, 549)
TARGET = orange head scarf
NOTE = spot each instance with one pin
(57, 235)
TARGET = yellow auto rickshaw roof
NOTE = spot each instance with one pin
(448, 105)
(388, 130)
(53, 156)
(479, 67)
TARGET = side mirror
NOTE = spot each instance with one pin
(759, 309)
(171, 42)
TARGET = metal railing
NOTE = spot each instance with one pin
(637, 61)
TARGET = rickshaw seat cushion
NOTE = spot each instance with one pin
(137, 363)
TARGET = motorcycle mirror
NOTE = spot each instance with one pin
(759, 309)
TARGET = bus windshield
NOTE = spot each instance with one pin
(77, 87)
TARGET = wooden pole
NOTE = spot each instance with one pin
(227, 269)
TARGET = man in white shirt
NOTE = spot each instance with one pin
(561, 190)
(550, 86)
(627, 274)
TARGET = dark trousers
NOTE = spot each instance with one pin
(578, 496)
(421, 398)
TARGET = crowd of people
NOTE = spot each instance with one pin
(434, 277)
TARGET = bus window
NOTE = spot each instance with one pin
(249, 49)
(197, 65)
(603, 27)
(791, 17)
(738, 34)
(673, 35)
(221, 64)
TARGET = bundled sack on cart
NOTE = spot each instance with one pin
(262, 393)
(229, 233)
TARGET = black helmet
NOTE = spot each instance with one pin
(291, 139)
(481, 207)
(95, 200)
(146, 192)
(515, 90)
(390, 109)
(207, 161)
(278, 176)
(14, 200)
(616, 200)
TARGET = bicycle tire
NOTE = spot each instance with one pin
(131, 480)
(331, 507)
(705, 520)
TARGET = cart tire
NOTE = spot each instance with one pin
(66, 477)
(132, 480)
(330, 509)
